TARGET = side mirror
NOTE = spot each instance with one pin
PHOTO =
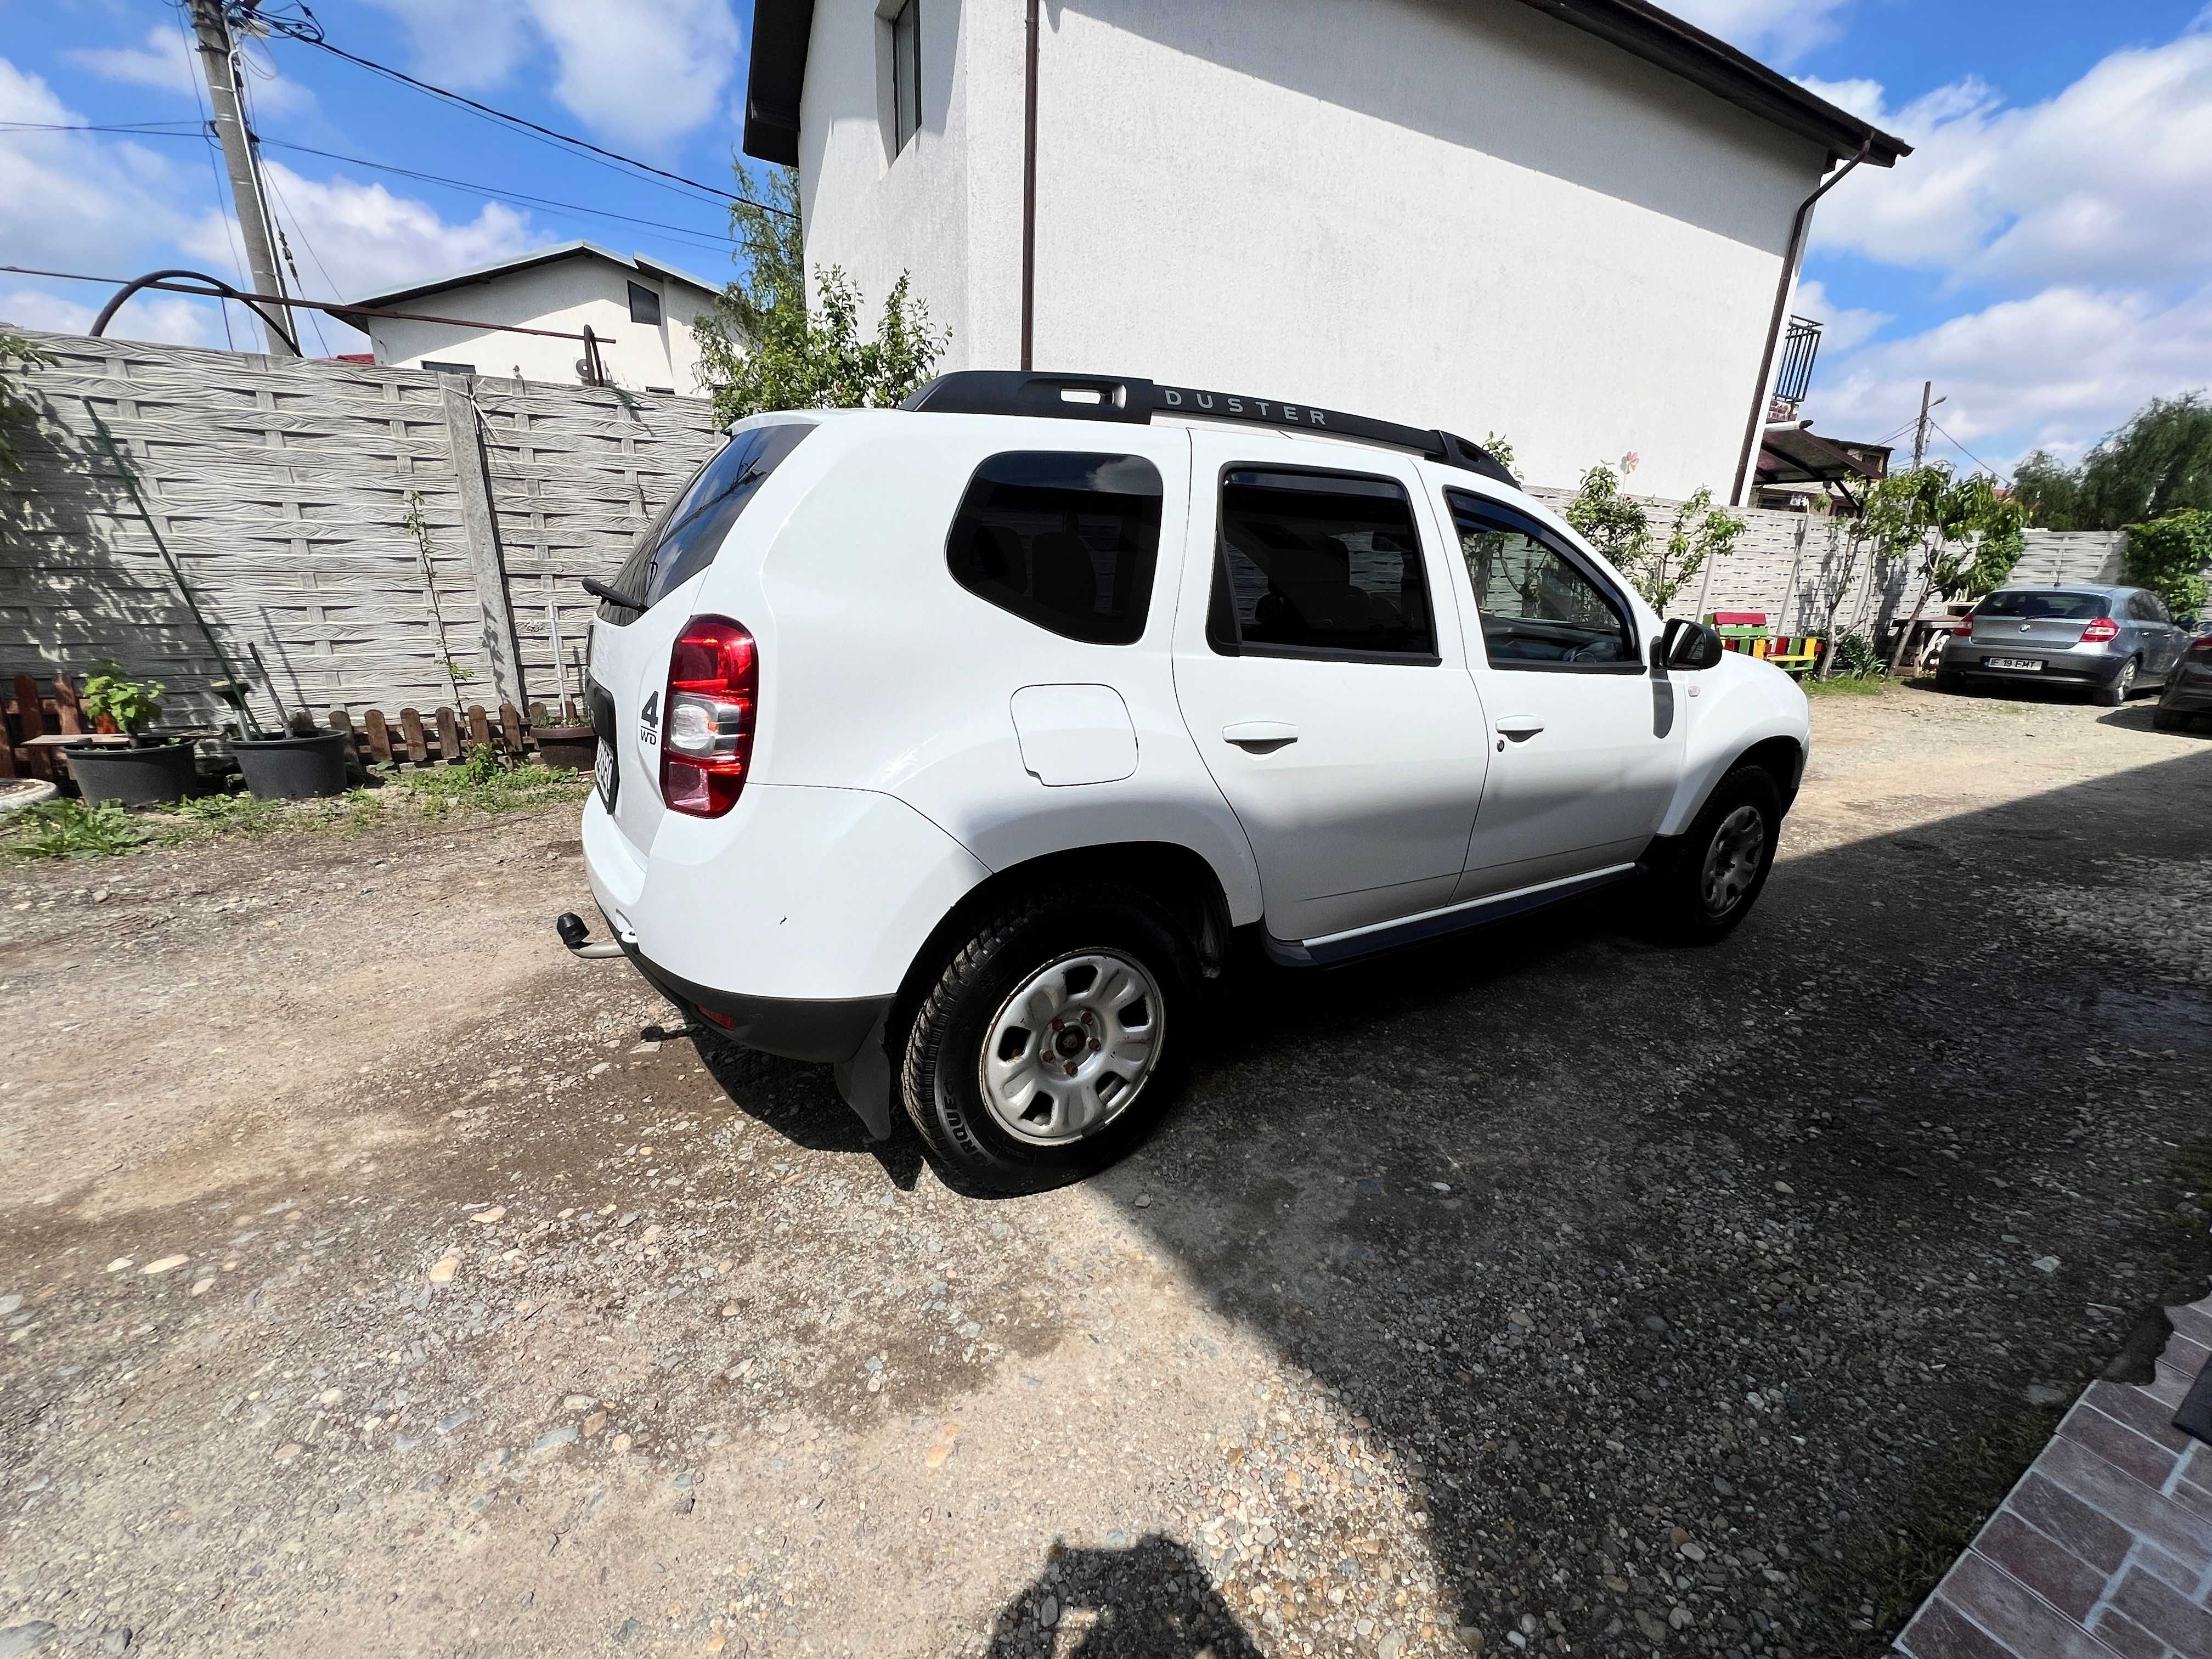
(1689, 644)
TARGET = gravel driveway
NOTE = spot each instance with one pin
(368, 1285)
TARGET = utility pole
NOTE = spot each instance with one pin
(217, 62)
(1920, 432)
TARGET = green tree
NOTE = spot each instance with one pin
(1966, 532)
(2160, 462)
(1619, 527)
(2170, 555)
(768, 345)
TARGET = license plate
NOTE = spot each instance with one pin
(2029, 662)
(603, 775)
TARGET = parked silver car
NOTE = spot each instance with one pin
(2114, 641)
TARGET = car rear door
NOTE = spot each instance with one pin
(1587, 742)
(1322, 673)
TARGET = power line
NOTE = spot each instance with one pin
(710, 240)
(1970, 454)
(310, 33)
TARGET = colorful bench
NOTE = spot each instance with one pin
(1746, 631)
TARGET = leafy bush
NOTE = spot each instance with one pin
(1618, 525)
(111, 694)
(2168, 555)
(1856, 657)
(488, 781)
(71, 829)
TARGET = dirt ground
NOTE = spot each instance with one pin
(368, 1285)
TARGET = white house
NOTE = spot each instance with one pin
(638, 310)
(1575, 223)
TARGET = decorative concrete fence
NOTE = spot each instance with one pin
(380, 536)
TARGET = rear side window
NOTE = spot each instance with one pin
(2034, 604)
(1067, 540)
(683, 540)
(1323, 564)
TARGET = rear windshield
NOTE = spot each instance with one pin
(2030, 604)
(684, 539)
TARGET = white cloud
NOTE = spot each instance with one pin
(658, 74)
(368, 239)
(1782, 30)
(2058, 369)
(2105, 181)
(1842, 328)
(70, 201)
(164, 63)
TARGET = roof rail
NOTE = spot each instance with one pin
(1134, 402)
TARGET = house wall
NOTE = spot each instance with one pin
(564, 295)
(1477, 218)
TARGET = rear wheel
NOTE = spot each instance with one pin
(2123, 686)
(1708, 881)
(1048, 1044)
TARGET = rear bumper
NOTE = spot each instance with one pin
(797, 1028)
(2189, 690)
(2061, 665)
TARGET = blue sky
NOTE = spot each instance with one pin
(2046, 256)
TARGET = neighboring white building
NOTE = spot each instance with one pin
(639, 309)
(1572, 223)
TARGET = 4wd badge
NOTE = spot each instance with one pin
(649, 720)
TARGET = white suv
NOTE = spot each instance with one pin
(955, 744)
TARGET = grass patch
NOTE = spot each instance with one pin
(1847, 686)
(1897, 1560)
(487, 781)
(71, 829)
(206, 817)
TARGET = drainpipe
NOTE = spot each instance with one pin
(1029, 191)
(1789, 264)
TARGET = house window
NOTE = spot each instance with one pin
(906, 74)
(644, 306)
(436, 368)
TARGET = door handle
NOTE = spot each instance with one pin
(1260, 734)
(1519, 727)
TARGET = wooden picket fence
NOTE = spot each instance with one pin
(410, 739)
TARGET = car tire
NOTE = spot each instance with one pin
(2123, 686)
(1074, 950)
(1702, 888)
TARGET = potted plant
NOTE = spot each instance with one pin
(296, 764)
(142, 772)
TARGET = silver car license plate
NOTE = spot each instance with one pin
(603, 775)
(2028, 662)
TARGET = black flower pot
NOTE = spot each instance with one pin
(566, 748)
(293, 769)
(155, 775)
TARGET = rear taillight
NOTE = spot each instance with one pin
(2100, 630)
(2202, 647)
(707, 719)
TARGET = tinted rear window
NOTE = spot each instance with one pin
(1064, 540)
(684, 539)
(2030, 604)
(1320, 563)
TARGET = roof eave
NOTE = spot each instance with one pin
(775, 77)
(1682, 49)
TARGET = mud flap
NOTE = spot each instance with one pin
(865, 1081)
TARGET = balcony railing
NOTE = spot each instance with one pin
(1794, 378)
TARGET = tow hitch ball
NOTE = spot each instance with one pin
(576, 934)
